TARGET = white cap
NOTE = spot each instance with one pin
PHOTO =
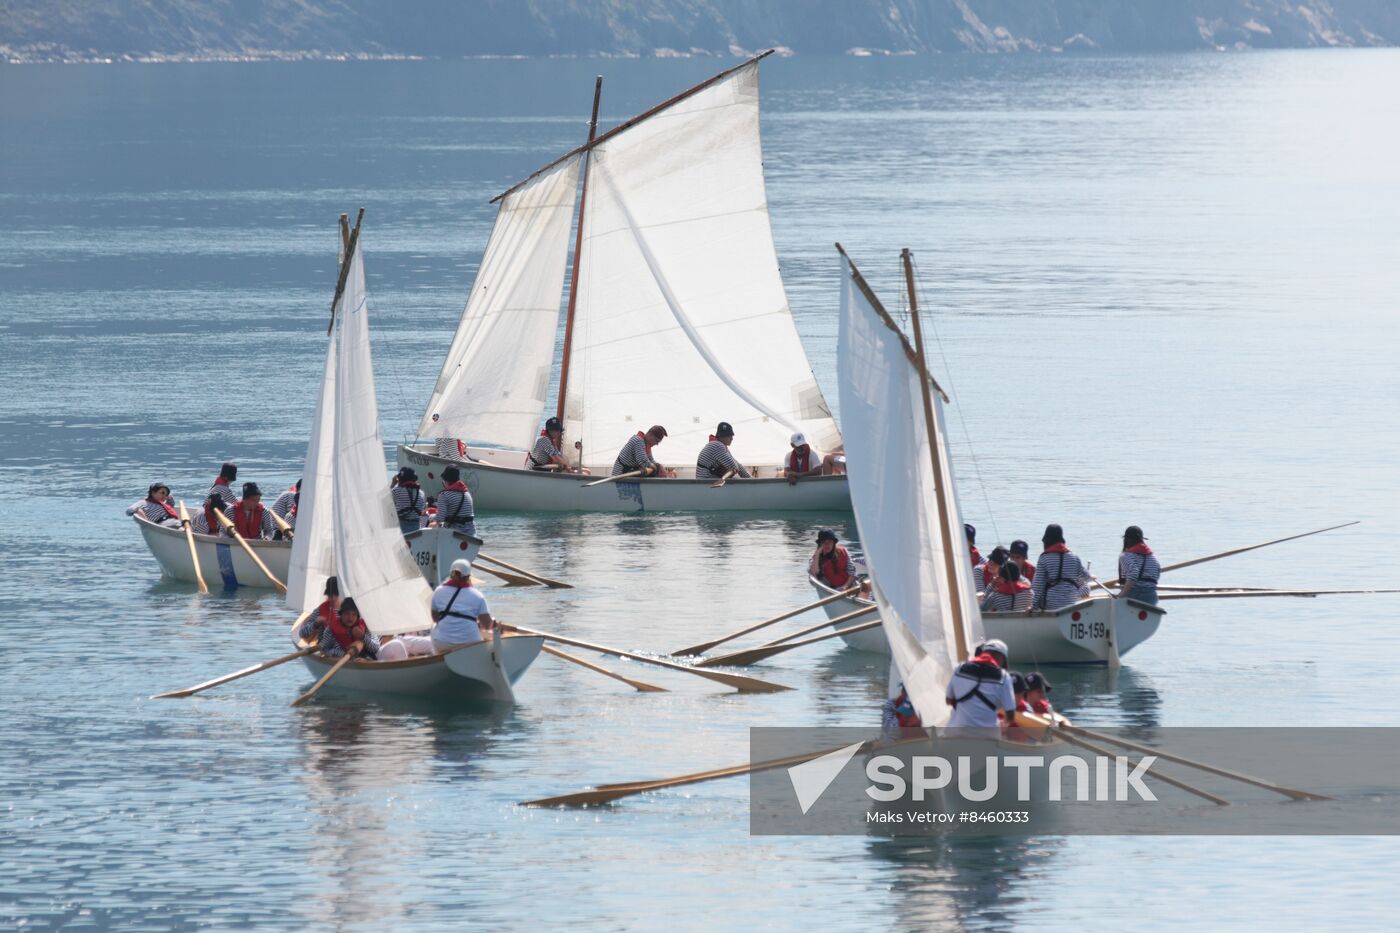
(798, 439)
(463, 565)
(997, 645)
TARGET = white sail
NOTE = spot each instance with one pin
(681, 316)
(893, 483)
(313, 547)
(371, 559)
(495, 381)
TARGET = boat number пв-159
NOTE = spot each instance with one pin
(1082, 630)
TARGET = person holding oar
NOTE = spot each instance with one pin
(459, 609)
(286, 503)
(204, 521)
(1138, 568)
(548, 452)
(156, 506)
(346, 632)
(317, 621)
(635, 456)
(252, 520)
(714, 460)
(454, 504)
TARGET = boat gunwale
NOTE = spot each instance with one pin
(1012, 614)
(145, 522)
(437, 657)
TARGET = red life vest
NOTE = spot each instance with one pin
(1009, 588)
(976, 556)
(1027, 570)
(908, 720)
(644, 441)
(210, 507)
(343, 636)
(165, 505)
(248, 519)
(835, 568)
(461, 449)
(1042, 708)
(799, 458)
(990, 574)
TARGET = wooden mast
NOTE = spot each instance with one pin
(349, 246)
(578, 249)
(940, 488)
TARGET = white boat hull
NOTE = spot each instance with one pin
(434, 550)
(500, 483)
(1074, 634)
(462, 675)
(221, 559)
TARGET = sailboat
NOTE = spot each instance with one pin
(676, 315)
(347, 527)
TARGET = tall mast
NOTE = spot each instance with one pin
(940, 487)
(578, 247)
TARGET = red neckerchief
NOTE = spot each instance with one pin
(220, 481)
(976, 555)
(1041, 707)
(1060, 548)
(1009, 588)
(799, 466)
(459, 584)
(1022, 706)
(985, 658)
(644, 441)
(1139, 548)
(165, 505)
(458, 486)
(325, 611)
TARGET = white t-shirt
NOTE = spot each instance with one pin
(972, 712)
(459, 627)
(814, 459)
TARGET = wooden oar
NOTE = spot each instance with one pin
(194, 555)
(821, 625)
(738, 682)
(281, 523)
(345, 659)
(552, 584)
(641, 685)
(1060, 728)
(510, 578)
(1240, 550)
(754, 655)
(1167, 756)
(613, 479)
(722, 480)
(1234, 594)
(707, 645)
(229, 527)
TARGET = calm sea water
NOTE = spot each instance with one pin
(1165, 294)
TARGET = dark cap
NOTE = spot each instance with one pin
(657, 429)
(553, 424)
(1133, 534)
(725, 429)
(154, 486)
(1020, 548)
(1010, 571)
(1036, 681)
(408, 474)
(451, 474)
(1054, 534)
(970, 532)
(999, 555)
(251, 489)
(1018, 681)
(826, 534)
(229, 471)
(332, 586)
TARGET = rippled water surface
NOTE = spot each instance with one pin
(1165, 293)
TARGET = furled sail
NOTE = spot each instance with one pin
(681, 316)
(494, 383)
(313, 545)
(373, 563)
(894, 495)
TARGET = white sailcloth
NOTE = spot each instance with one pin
(374, 565)
(681, 317)
(313, 545)
(495, 381)
(892, 483)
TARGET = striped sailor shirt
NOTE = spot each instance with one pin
(284, 503)
(331, 648)
(153, 511)
(455, 508)
(449, 448)
(200, 523)
(543, 454)
(1131, 567)
(996, 601)
(1060, 579)
(221, 490)
(632, 456)
(715, 460)
(409, 502)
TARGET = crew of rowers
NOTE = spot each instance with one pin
(460, 615)
(244, 513)
(982, 692)
(1007, 581)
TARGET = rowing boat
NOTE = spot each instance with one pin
(220, 557)
(1079, 633)
(676, 315)
(434, 550)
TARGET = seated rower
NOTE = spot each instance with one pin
(1037, 688)
(291, 517)
(990, 569)
(284, 505)
(204, 522)
(980, 689)
(454, 503)
(1138, 568)
(459, 609)
(409, 501)
(450, 448)
(250, 519)
(228, 473)
(1060, 576)
(714, 460)
(635, 455)
(344, 630)
(899, 713)
(1009, 593)
(830, 563)
(156, 506)
(548, 453)
(315, 624)
(1020, 553)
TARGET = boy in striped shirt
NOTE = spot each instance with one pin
(715, 460)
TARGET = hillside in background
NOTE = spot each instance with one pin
(93, 30)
